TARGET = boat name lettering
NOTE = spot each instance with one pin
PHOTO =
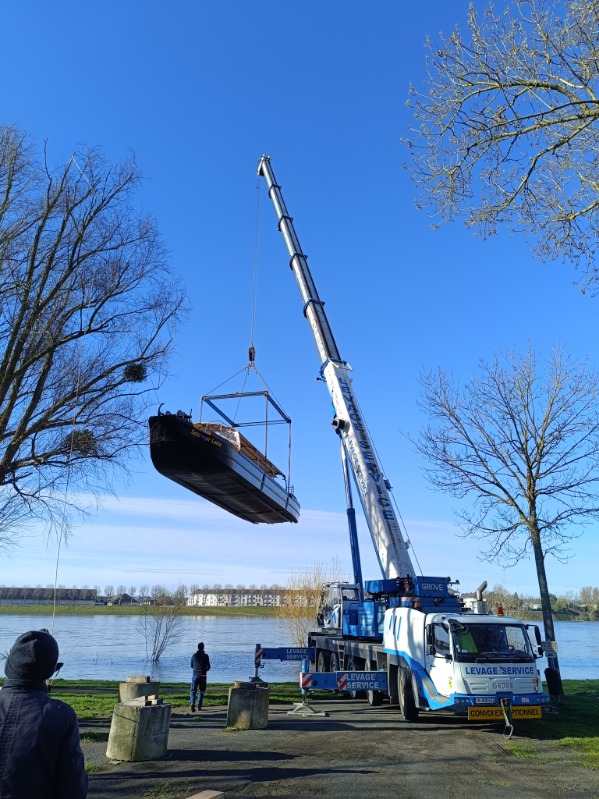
(206, 438)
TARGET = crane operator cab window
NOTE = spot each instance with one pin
(331, 602)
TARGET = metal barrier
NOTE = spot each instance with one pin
(285, 653)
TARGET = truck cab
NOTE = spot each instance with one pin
(459, 661)
(334, 599)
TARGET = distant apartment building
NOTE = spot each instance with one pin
(237, 597)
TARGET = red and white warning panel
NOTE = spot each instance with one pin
(344, 681)
(305, 681)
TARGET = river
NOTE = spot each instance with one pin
(112, 647)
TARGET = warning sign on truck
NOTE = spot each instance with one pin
(496, 713)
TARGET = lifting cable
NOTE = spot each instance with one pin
(62, 532)
(63, 525)
(400, 520)
(252, 349)
(251, 365)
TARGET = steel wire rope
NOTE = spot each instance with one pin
(402, 524)
(251, 365)
(63, 515)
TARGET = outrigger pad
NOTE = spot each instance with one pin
(304, 709)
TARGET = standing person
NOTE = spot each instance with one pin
(40, 749)
(200, 663)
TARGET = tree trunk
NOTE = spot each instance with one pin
(544, 593)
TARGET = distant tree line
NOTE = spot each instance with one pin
(580, 606)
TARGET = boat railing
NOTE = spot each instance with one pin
(273, 415)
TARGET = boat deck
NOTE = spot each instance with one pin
(205, 462)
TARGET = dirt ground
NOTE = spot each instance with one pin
(355, 751)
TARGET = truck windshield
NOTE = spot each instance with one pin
(490, 642)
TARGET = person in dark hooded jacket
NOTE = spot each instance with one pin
(40, 749)
(200, 663)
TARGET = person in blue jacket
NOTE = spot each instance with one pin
(40, 748)
(200, 663)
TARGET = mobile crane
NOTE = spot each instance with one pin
(404, 637)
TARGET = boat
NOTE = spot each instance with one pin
(219, 464)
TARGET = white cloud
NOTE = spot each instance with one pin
(136, 540)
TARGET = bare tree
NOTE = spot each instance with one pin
(523, 441)
(508, 126)
(589, 597)
(296, 615)
(161, 625)
(87, 309)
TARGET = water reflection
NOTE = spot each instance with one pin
(112, 647)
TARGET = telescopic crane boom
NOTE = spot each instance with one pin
(373, 488)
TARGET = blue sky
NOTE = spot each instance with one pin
(199, 91)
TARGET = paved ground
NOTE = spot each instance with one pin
(356, 751)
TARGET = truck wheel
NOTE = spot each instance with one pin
(323, 661)
(393, 684)
(356, 665)
(334, 666)
(375, 698)
(407, 703)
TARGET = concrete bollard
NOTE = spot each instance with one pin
(138, 732)
(137, 686)
(248, 706)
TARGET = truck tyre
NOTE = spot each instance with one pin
(407, 703)
(375, 698)
(393, 684)
(323, 661)
(334, 666)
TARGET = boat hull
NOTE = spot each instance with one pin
(212, 468)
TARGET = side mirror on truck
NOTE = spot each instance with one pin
(538, 639)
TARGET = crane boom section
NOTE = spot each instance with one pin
(390, 547)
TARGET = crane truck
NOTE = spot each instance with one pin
(405, 638)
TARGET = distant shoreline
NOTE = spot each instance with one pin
(129, 610)
(232, 611)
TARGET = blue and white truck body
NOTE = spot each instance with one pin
(436, 655)
(462, 663)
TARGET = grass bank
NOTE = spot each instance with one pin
(127, 610)
(571, 734)
(93, 698)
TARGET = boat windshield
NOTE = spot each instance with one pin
(480, 641)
